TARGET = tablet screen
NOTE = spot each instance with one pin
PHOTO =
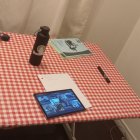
(57, 103)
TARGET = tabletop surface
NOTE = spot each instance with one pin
(19, 81)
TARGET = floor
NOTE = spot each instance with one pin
(102, 130)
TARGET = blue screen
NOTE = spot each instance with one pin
(58, 103)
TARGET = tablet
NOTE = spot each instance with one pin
(60, 102)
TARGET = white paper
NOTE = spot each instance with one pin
(52, 82)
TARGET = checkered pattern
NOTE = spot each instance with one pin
(18, 83)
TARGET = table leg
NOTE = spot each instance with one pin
(70, 130)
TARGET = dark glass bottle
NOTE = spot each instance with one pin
(39, 46)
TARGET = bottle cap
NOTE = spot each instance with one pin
(45, 30)
(5, 37)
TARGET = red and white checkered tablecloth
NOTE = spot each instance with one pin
(19, 81)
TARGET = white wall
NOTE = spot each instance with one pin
(128, 61)
(110, 23)
(128, 64)
(26, 16)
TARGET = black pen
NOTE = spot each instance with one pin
(103, 74)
